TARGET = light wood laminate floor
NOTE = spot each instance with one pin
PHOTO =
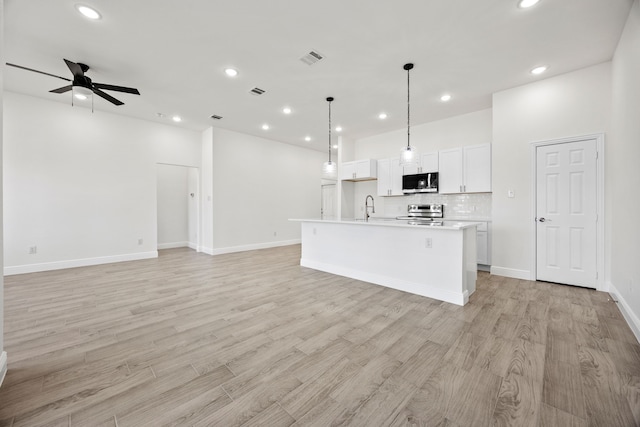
(254, 339)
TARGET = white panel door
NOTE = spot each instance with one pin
(566, 213)
(328, 206)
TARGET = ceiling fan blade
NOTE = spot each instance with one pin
(76, 69)
(62, 89)
(108, 97)
(117, 88)
(37, 71)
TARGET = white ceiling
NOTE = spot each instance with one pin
(175, 53)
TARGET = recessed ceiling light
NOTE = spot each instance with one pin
(382, 116)
(446, 97)
(527, 3)
(307, 138)
(286, 110)
(539, 70)
(231, 72)
(177, 119)
(338, 128)
(335, 146)
(88, 12)
(265, 127)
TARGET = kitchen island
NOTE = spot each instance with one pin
(433, 261)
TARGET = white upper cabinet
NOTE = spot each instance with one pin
(359, 170)
(389, 177)
(465, 169)
(428, 163)
(477, 168)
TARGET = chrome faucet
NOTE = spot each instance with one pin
(366, 207)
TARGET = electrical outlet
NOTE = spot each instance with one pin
(140, 241)
(275, 233)
(428, 243)
(33, 250)
(314, 231)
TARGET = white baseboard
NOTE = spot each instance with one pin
(625, 309)
(173, 245)
(511, 272)
(84, 262)
(459, 298)
(3, 366)
(254, 246)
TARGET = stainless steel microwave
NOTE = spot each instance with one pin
(420, 183)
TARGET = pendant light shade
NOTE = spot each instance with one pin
(330, 168)
(408, 155)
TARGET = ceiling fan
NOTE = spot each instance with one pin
(82, 82)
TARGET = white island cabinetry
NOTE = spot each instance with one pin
(432, 261)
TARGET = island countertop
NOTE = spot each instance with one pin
(393, 222)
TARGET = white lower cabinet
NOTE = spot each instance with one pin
(483, 242)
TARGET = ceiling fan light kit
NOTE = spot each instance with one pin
(82, 86)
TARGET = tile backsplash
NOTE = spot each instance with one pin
(460, 206)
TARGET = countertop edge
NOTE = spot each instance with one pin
(458, 226)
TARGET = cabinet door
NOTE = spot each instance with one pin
(366, 169)
(429, 162)
(410, 169)
(396, 177)
(477, 168)
(389, 177)
(384, 177)
(450, 171)
(482, 247)
(347, 170)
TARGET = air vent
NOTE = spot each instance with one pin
(216, 117)
(257, 91)
(312, 57)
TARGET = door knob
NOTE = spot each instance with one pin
(543, 220)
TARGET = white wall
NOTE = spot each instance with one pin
(206, 191)
(81, 186)
(173, 202)
(468, 129)
(257, 186)
(3, 355)
(623, 171)
(572, 104)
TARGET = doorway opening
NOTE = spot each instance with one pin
(328, 203)
(178, 218)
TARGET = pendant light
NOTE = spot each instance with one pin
(408, 156)
(329, 168)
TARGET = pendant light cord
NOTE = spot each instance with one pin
(329, 99)
(408, 67)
